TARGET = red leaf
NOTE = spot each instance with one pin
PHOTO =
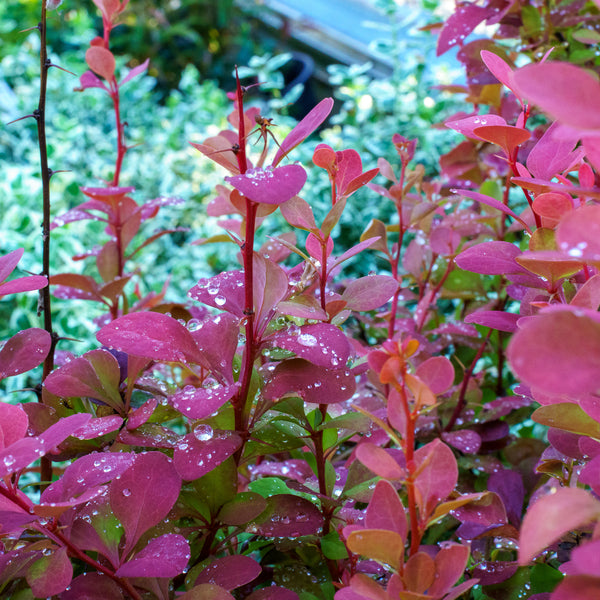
(270, 186)
(582, 587)
(92, 586)
(379, 461)
(224, 291)
(24, 351)
(144, 495)
(164, 556)
(298, 213)
(308, 124)
(13, 424)
(101, 61)
(230, 572)
(313, 383)
(552, 516)
(203, 450)
(505, 136)
(552, 207)
(151, 335)
(437, 373)
(50, 574)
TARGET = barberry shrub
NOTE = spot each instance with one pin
(289, 432)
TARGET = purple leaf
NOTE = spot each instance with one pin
(385, 510)
(313, 383)
(492, 572)
(199, 403)
(90, 80)
(164, 556)
(86, 472)
(230, 572)
(304, 128)
(370, 292)
(50, 574)
(140, 415)
(99, 426)
(93, 586)
(566, 92)
(224, 291)
(273, 592)
(207, 591)
(24, 351)
(490, 258)
(19, 455)
(13, 424)
(557, 353)
(465, 440)
(203, 450)
(322, 344)
(496, 319)
(151, 335)
(287, 515)
(144, 495)
(489, 201)
(135, 72)
(509, 486)
(486, 511)
(552, 516)
(270, 186)
(461, 23)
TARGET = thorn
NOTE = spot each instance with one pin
(51, 64)
(51, 172)
(33, 116)
(38, 27)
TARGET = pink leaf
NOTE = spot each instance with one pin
(140, 415)
(357, 249)
(203, 450)
(490, 258)
(496, 319)
(273, 592)
(468, 125)
(385, 510)
(450, 563)
(144, 495)
(164, 556)
(308, 124)
(270, 287)
(135, 72)
(230, 572)
(379, 461)
(9, 261)
(370, 292)
(24, 351)
(298, 213)
(101, 61)
(552, 516)
(322, 344)
(23, 284)
(99, 426)
(588, 295)
(566, 92)
(552, 207)
(90, 80)
(270, 186)
(437, 474)
(13, 423)
(461, 23)
(313, 383)
(199, 403)
(437, 373)
(151, 335)
(554, 152)
(582, 587)
(287, 515)
(578, 233)
(558, 353)
(50, 574)
(498, 68)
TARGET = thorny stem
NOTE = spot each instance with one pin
(40, 116)
(461, 402)
(396, 259)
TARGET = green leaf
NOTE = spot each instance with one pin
(269, 486)
(568, 417)
(332, 547)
